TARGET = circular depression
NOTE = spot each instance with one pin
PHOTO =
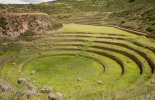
(61, 73)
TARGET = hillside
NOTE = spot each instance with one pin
(139, 15)
(134, 14)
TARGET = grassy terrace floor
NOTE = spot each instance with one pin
(119, 59)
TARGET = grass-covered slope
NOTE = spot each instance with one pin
(139, 15)
(136, 14)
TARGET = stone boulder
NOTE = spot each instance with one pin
(21, 81)
(47, 90)
(33, 72)
(100, 82)
(79, 79)
(56, 96)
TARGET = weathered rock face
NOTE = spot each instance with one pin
(47, 90)
(55, 96)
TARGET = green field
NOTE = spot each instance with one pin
(123, 61)
(62, 72)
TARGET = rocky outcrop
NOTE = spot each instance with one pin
(19, 23)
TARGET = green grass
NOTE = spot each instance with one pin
(105, 29)
(94, 29)
(62, 76)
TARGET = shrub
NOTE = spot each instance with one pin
(3, 23)
(56, 25)
(11, 47)
(28, 33)
(151, 29)
(26, 36)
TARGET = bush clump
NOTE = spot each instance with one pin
(15, 47)
(3, 23)
(56, 25)
(151, 30)
(26, 36)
